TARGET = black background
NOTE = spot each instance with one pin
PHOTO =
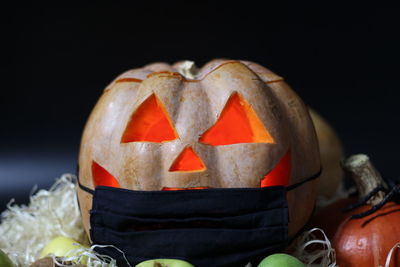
(343, 61)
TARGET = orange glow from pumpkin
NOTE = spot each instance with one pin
(238, 123)
(280, 174)
(181, 188)
(102, 177)
(149, 123)
(187, 161)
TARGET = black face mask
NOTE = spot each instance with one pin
(209, 227)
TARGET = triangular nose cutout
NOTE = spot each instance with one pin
(187, 161)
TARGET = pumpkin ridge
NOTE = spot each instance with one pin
(122, 80)
(177, 75)
(213, 154)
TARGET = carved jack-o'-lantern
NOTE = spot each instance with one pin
(234, 124)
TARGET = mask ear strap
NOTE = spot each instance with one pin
(81, 186)
(294, 186)
(313, 177)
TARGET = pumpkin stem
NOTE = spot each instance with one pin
(366, 177)
(395, 190)
(188, 69)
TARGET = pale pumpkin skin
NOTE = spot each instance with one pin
(194, 106)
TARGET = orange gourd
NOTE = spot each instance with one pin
(362, 237)
(367, 241)
(330, 217)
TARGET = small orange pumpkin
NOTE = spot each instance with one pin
(368, 240)
(230, 124)
(330, 217)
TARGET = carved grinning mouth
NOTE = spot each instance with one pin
(279, 175)
(183, 188)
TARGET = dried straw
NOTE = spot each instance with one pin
(26, 229)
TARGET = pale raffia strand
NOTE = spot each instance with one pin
(93, 259)
(324, 254)
(391, 253)
(26, 229)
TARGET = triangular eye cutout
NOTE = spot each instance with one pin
(149, 123)
(280, 174)
(188, 161)
(238, 123)
(102, 177)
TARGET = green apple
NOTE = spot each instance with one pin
(164, 263)
(60, 246)
(281, 260)
(5, 260)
